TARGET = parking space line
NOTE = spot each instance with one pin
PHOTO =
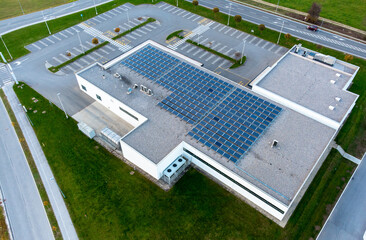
(96, 53)
(130, 36)
(193, 20)
(234, 33)
(104, 51)
(74, 28)
(246, 37)
(77, 50)
(217, 59)
(204, 54)
(191, 16)
(90, 56)
(69, 32)
(116, 11)
(265, 45)
(226, 53)
(82, 59)
(241, 34)
(139, 30)
(190, 50)
(221, 49)
(228, 30)
(146, 29)
(273, 45)
(176, 11)
(111, 12)
(223, 62)
(135, 33)
(151, 26)
(78, 64)
(167, 7)
(186, 14)
(162, 5)
(40, 41)
(36, 46)
(252, 39)
(181, 13)
(278, 50)
(218, 44)
(128, 26)
(212, 55)
(49, 40)
(222, 28)
(90, 44)
(107, 15)
(63, 35)
(199, 50)
(184, 46)
(70, 68)
(62, 55)
(58, 39)
(173, 8)
(110, 48)
(57, 60)
(104, 19)
(216, 26)
(260, 40)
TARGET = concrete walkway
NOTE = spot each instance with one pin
(62, 215)
(347, 156)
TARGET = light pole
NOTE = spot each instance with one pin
(21, 6)
(242, 52)
(6, 47)
(177, 3)
(228, 18)
(278, 2)
(46, 23)
(95, 6)
(283, 23)
(81, 45)
(58, 95)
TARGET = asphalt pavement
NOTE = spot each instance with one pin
(348, 219)
(26, 214)
(11, 24)
(296, 29)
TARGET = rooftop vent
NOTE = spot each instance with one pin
(338, 74)
(332, 81)
(338, 99)
(103, 76)
(135, 86)
(117, 75)
(331, 107)
(149, 92)
(274, 143)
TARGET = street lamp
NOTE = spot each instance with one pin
(95, 6)
(81, 45)
(44, 18)
(177, 3)
(6, 47)
(242, 52)
(58, 95)
(278, 40)
(228, 18)
(278, 2)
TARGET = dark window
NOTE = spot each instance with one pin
(99, 97)
(83, 87)
(129, 114)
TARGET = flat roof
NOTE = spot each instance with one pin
(308, 83)
(279, 171)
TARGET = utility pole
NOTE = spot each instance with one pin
(283, 23)
(228, 18)
(44, 18)
(58, 95)
(6, 47)
(242, 52)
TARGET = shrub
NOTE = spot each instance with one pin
(195, 4)
(261, 27)
(95, 41)
(117, 30)
(348, 57)
(237, 18)
(68, 54)
(215, 10)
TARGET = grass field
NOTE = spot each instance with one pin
(106, 202)
(11, 8)
(4, 234)
(349, 12)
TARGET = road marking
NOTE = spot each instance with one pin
(57, 60)
(135, 33)
(218, 44)
(181, 13)
(117, 11)
(77, 50)
(130, 36)
(36, 46)
(191, 49)
(186, 14)
(151, 26)
(221, 49)
(185, 46)
(199, 50)
(265, 45)
(191, 16)
(59, 39)
(82, 59)
(92, 57)
(273, 45)
(49, 40)
(234, 33)
(167, 7)
(212, 55)
(104, 19)
(90, 44)
(222, 28)
(69, 32)
(70, 68)
(260, 40)
(110, 48)
(64, 56)
(204, 54)
(78, 64)
(96, 53)
(43, 43)
(161, 5)
(217, 59)
(176, 11)
(193, 20)
(146, 29)
(104, 51)
(226, 53)
(222, 63)
(141, 31)
(173, 8)
(216, 26)
(63, 35)
(107, 15)
(228, 30)
(111, 12)
(278, 50)
(254, 38)
(241, 34)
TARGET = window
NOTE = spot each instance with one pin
(129, 114)
(99, 97)
(83, 87)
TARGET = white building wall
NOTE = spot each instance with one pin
(169, 158)
(111, 103)
(234, 186)
(139, 160)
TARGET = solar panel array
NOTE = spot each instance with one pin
(235, 124)
(194, 92)
(229, 119)
(150, 62)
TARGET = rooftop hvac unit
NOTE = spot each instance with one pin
(338, 99)
(111, 137)
(332, 81)
(135, 86)
(331, 108)
(149, 92)
(174, 167)
(325, 59)
(274, 143)
(338, 74)
(143, 88)
(298, 48)
(88, 131)
(129, 90)
(117, 75)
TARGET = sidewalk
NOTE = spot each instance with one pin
(62, 215)
(346, 155)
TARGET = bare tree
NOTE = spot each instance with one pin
(195, 4)
(288, 36)
(314, 12)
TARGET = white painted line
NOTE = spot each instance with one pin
(222, 28)
(216, 26)
(130, 36)
(191, 16)
(49, 40)
(176, 11)
(212, 55)
(260, 40)
(228, 30)
(254, 38)
(111, 12)
(96, 53)
(199, 50)
(151, 26)
(70, 68)
(241, 34)
(278, 49)
(191, 49)
(226, 53)
(184, 46)
(186, 14)
(218, 44)
(36, 46)
(135, 33)
(65, 36)
(74, 28)
(69, 32)
(162, 5)
(92, 57)
(141, 31)
(77, 50)
(181, 13)
(204, 54)
(105, 14)
(78, 64)
(90, 44)
(59, 39)
(104, 19)
(128, 26)
(273, 45)
(104, 51)
(203, 41)
(246, 37)
(82, 59)
(110, 48)
(234, 33)
(265, 45)
(40, 41)
(217, 59)
(117, 11)
(95, 19)
(63, 56)
(146, 29)
(222, 63)
(196, 18)
(167, 7)
(57, 60)
(221, 49)
(122, 28)
(171, 9)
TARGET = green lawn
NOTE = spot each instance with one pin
(4, 234)
(106, 202)
(349, 12)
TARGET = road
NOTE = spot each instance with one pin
(11, 24)
(27, 217)
(348, 221)
(296, 29)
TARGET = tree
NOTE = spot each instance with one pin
(237, 18)
(287, 36)
(215, 10)
(348, 57)
(261, 27)
(314, 12)
(237, 56)
(195, 4)
(117, 30)
(95, 40)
